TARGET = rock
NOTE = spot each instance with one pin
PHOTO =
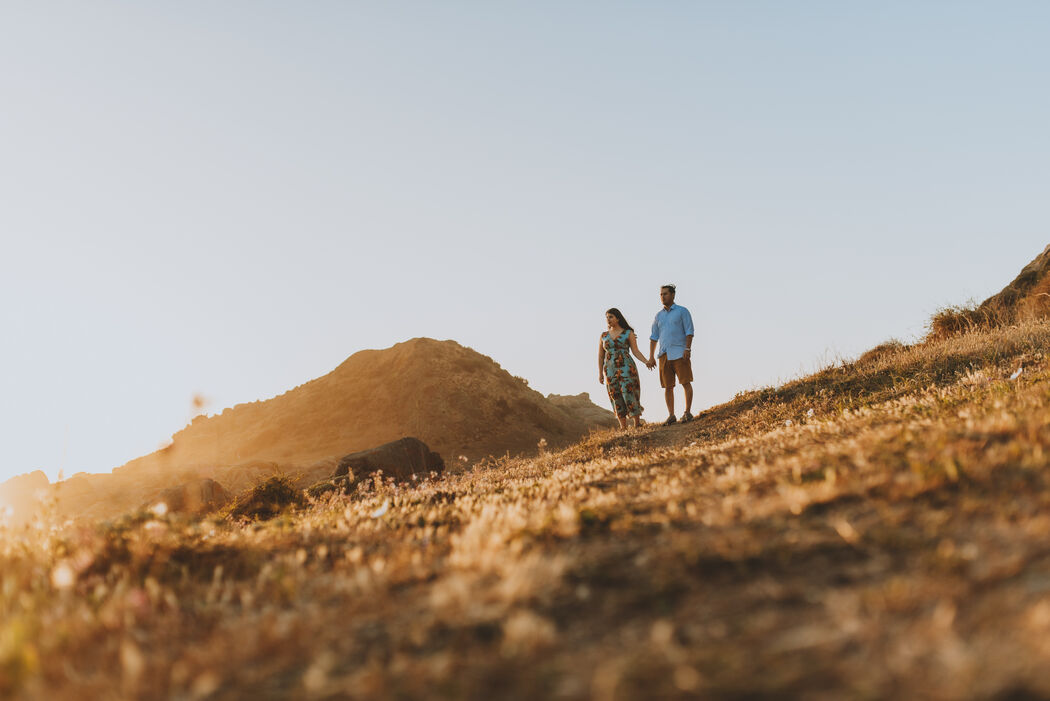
(195, 497)
(399, 459)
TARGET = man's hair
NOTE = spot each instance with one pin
(668, 287)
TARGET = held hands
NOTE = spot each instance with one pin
(650, 363)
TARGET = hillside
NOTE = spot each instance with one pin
(461, 403)
(1026, 298)
(456, 400)
(875, 530)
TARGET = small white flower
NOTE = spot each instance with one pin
(382, 509)
(63, 577)
(809, 413)
(159, 509)
(1017, 373)
(788, 423)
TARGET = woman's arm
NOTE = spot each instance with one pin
(601, 362)
(637, 353)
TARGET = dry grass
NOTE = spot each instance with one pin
(266, 500)
(1026, 299)
(965, 318)
(876, 530)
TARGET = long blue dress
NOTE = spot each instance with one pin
(621, 375)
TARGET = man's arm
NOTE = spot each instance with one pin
(654, 336)
(687, 326)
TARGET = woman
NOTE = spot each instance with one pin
(616, 369)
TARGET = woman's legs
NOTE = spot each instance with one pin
(630, 392)
(620, 407)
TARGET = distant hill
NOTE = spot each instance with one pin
(458, 401)
(455, 399)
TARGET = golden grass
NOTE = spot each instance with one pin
(1026, 299)
(877, 529)
(266, 500)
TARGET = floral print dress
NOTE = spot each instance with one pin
(621, 375)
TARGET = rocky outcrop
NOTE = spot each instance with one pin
(399, 459)
(194, 498)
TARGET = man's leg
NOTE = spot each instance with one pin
(667, 382)
(685, 377)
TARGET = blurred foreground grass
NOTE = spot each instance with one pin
(880, 529)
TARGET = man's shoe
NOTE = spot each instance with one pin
(670, 420)
(687, 417)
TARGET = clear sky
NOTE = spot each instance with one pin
(230, 198)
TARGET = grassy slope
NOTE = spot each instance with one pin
(893, 544)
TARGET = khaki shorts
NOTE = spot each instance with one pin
(682, 367)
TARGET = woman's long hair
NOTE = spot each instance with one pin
(619, 318)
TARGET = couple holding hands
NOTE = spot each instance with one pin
(673, 329)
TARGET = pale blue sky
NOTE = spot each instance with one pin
(229, 198)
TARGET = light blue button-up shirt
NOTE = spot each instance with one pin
(670, 327)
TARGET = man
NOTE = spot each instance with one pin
(673, 328)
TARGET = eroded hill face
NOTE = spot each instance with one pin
(459, 402)
(1026, 298)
